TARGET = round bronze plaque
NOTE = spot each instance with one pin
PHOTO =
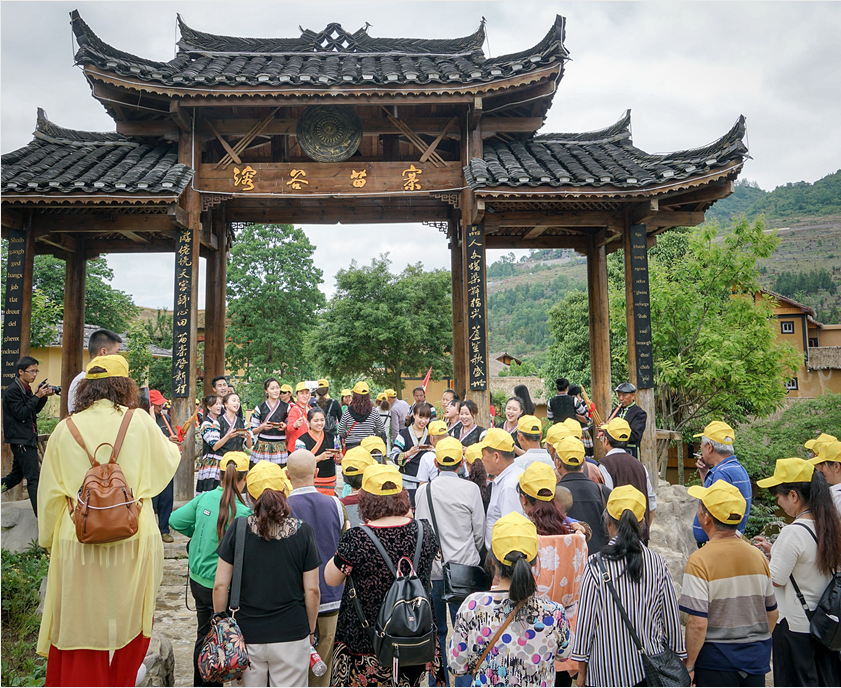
(328, 133)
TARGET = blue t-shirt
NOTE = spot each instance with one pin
(731, 471)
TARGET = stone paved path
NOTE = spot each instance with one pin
(172, 618)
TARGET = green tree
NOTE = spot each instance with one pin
(45, 315)
(273, 301)
(383, 326)
(138, 354)
(160, 334)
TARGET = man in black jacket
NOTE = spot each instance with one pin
(632, 414)
(20, 408)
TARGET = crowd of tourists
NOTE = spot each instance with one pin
(500, 556)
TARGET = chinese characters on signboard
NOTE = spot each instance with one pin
(477, 344)
(641, 307)
(244, 177)
(12, 307)
(182, 314)
(289, 181)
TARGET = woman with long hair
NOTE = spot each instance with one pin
(536, 631)
(410, 445)
(361, 419)
(280, 592)
(296, 420)
(383, 505)
(384, 408)
(467, 431)
(208, 476)
(205, 520)
(809, 551)
(268, 426)
(603, 648)
(523, 394)
(514, 410)
(477, 473)
(323, 446)
(234, 436)
(101, 597)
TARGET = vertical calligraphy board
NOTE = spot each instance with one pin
(182, 314)
(12, 307)
(641, 306)
(477, 329)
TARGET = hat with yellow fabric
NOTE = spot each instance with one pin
(437, 428)
(538, 476)
(570, 450)
(618, 429)
(377, 475)
(266, 476)
(301, 387)
(361, 387)
(357, 460)
(816, 444)
(514, 533)
(322, 383)
(390, 393)
(789, 471)
(373, 443)
(574, 427)
(347, 392)
(498, 440)
(449, 451)
(722, 499)
(556, 433)
(381, 396)
(238, 458)
(829, 452)
(473, 452)
(718, 431)
(626, 497)
(529, 425)
(114, 366)
(286, 388)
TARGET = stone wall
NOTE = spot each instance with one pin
(671, 531)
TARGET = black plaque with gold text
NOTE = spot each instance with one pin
(477, 332)
(641, 307)
(12, 307)
(182, 314)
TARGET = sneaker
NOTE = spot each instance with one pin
(166, 537)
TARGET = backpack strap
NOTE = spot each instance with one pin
(121, 435)
(797, 592)
(496, 635)
(379, 545)
(239, 552)
(416, 559)
(71, 426)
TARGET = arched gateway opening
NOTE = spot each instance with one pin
(339, 127)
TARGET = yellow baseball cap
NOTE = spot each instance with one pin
(114, 365)
(816, 444)
(322, 383)
(473, 452)
(346, 392)
(529, 425)
(377, 474)
(265, 476)
(626, 497)
(789, 471)
(538, 476)
(574, 427)
(618, 429)
(499, 440)
(718, 431)
(722, 500)
(381, 396)
(238, 458)
(449, 451)
(437, 428)
(286, 388)
(829, 452)
(357, 460)
(301, 387)
(570, 450)
(514, 533)
(361, 387)
(373, 443)
(391, 393)
(556, 433)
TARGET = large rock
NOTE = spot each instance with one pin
(159, 662)
(20, 527)
(671, 531)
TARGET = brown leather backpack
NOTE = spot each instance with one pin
(105, 509)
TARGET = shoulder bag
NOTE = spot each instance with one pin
(663, 669)
(460, 580)
(224, 655)
(478, 670)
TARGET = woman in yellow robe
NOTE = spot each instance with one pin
(101, 597)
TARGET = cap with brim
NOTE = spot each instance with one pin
(815, 445)
(322, 383)
(514, 533)
(377, 475)
(498, 440)
(286, 388)
(265, 476)
(625, 388)
(574, 427)
(556, 433)
(373, 443)
(301, 387)
(538, 476)
(626, 497)
(618, 429)
(789, 471)
(346, 392)
(114, 366)
(529, 425)
(473, 452)
(449, 451)
(381, 396)
(570, 450)
(830, 452)
(356, 461)
(722, 499)
(437, 428)
(718, 431)
(361, 388)
(390, 393)
(238, 458)
(156, 398)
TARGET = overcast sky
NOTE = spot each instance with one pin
(686, 70)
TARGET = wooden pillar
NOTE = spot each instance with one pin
(458, 296)
(640, 357)
(214, 309)
(73, 335)
(476, 321)
(599, 330)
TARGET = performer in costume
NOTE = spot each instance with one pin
(632, 414)
(268, 425)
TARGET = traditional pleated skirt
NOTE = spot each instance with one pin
(208, 477)
(326, 485)
(270, 450)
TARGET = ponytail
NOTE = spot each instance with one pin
(230, 493)
(522, 585)
(627, 544)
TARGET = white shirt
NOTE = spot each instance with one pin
(73, 391)
(608, 480)
(531, 455)
(504, 498)
(428, 469)
(835, 490)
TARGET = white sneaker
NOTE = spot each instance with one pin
(141, 674)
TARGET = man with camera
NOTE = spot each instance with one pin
(20, 410)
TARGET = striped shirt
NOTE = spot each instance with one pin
(602, 639)
(354, 431)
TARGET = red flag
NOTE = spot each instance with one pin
(426, 379)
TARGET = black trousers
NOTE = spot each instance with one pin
(708, 677)
(800, 660)
(204, 611)
(24, 465)
(163, 503)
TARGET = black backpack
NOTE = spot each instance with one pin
(404, 633)
(825, 619)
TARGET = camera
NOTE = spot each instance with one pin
(56, 389)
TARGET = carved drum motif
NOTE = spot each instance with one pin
(329, 133)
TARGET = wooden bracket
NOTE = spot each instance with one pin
(606, 236)
(12, 219)
(178, 116)
(230, 151)
(416, 140)
(432, 146)
(65, 242)
(246, 140)
(476, 113)
(178, 216)
(537, 231)
(640, 214)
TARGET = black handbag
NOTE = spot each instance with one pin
(460, 580)
(663, 669)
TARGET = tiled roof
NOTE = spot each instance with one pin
(330, 57)
(62, 160)
(597, 158)
(58, 338)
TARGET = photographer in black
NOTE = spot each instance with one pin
(20, 410)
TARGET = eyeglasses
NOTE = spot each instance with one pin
(31, 372)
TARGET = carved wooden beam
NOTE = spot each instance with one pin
(230, 151)
(544, 241)
(641, 213)
(178, 216)
(178, 116)
(11, 218)
(432, 146)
